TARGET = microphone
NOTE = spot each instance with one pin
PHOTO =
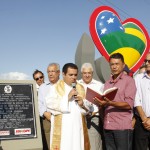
(74, 87)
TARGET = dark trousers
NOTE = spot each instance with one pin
(118, 139)
(141, 136)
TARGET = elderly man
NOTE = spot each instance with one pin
(53, 71)
(93, 120)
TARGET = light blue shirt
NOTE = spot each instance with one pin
(142, 97)
(43, 91)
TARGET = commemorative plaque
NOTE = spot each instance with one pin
(17, 112)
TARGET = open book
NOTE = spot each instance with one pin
(109, 93)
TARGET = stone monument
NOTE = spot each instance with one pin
(85, 52)
(19, 116)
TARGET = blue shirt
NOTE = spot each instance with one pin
(43, 91)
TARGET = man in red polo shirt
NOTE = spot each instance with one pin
(119, 111)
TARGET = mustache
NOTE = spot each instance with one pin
(148, 72)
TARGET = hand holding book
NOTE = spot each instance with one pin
(104, 102)
(101, 98)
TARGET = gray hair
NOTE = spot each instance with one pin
(86, 65)
(55, 64)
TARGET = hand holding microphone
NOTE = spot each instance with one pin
(77, 97)
(73, 93)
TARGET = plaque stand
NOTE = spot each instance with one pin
(0, 146)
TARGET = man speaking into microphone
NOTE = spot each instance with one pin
(65, 102)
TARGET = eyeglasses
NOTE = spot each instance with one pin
(52, 71)
(146, 60)
(41, 77)
(87, 73)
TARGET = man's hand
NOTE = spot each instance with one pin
(133, 122)
(47, 115)
(146, 123)
(72, 93)
(91, 114)
(100, 102)
(79, 100)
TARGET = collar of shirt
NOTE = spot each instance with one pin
(50, 83)
(116, 80)
(146, 75)
(92, 82)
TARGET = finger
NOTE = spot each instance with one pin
(97, 99)
(147, 128)
(106, 99)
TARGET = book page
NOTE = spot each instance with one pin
(109, 90)
(111, 93)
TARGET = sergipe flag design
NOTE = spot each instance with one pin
(110, 35)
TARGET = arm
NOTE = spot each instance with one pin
(141, 113)
(42, 105)
(87, 107)
(80, 101)
(144, 118)
(127, 95)
(57, 104)
(120, 105)
(41, 101)
(107, 102)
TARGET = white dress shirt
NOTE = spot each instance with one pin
(142, 97)
(96, 86)
(37, 87)
(43, 91)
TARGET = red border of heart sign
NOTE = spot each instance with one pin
(99, 44)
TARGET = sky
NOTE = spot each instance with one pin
(34, 33)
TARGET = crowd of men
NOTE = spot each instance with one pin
(70, 122)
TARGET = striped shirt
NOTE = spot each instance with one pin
(142, 97)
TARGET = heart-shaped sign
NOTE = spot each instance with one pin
(110, 35)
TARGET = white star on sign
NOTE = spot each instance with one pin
(102, 17)
(100, 23)
(121, 28)
(103, 31)
(111, 20)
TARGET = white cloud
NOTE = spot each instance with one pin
(14, 76)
